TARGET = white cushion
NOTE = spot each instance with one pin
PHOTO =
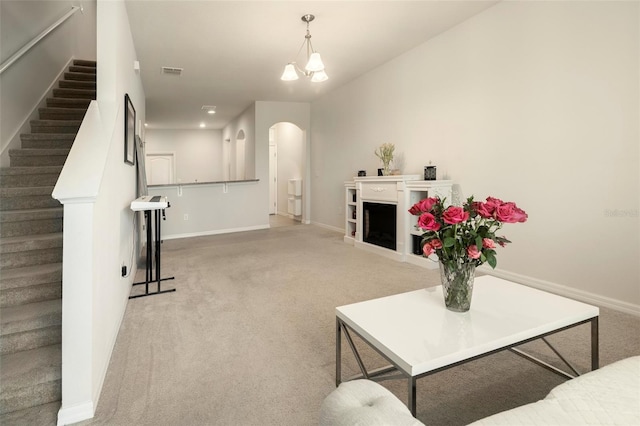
(608, 396)
(366, 403)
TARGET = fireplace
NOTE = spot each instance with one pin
(379, 224)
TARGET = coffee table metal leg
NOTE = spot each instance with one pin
(411, 403)
(338, 352)
(595, 344)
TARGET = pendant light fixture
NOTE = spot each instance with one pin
(314, 67)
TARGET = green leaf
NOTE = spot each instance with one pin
(491, 259)
(449, 242)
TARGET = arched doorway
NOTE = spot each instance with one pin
(287, 151)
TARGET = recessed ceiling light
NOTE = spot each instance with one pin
(201, 125)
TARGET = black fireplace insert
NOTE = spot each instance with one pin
(379, 224)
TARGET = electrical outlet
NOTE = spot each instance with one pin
(186, 216)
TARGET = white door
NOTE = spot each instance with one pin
(159, 168)
(273, 179)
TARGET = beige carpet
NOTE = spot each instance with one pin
(248, 338)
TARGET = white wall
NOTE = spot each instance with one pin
(25, 85)
(96, 188)
(197, 153)
(245, 123)
(291, 143)
(533, 102)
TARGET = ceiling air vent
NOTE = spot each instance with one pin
(171, 70)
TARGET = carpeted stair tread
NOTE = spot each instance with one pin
(15, 223)
(41, 415)
(28, 377)
(33, 366)
(31, 294)
(33, 316)
(82, 68)
(75, 93)
(58, 113)
(85, 63)
(31, 275)
(36, 152)
(26, 192)
(69, 102)
(29, 176)
(30, 214)
(82, 76)
(25, 170)
(77, 84)
(30, 242)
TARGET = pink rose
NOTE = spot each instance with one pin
(454, 214)
(493, 203)
(488, 243)
(424, 206)
(427, 249)
(427, 204)
(520, 215)
(415, 210)
(510, 213)
(436, 244)
(428, 221)
(473, 252)
(483, 209)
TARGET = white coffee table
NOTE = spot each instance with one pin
(419, 336)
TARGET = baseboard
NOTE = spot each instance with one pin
(215, 232)
(551, 287)
(76, 413)
(322, 225)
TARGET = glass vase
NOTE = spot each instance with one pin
(457, 284)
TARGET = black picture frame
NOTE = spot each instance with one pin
(142, 174)
(129, 131)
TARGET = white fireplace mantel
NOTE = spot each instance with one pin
(400, 190)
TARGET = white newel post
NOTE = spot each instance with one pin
(77, 310)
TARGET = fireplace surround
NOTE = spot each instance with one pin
(377, 217)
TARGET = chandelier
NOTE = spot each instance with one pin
(314, 67)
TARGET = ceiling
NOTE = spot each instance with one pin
(233, 52)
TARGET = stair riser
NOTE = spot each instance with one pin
(30, 258)
(31, 294)
(35, 160)
(23, 181)
(30, 396)
(68, 103)
(76, 84)
(82, 69)
(49, 114)
(48, 128)
(33, 202)
(73, 93)
(30, 227)
(31, 339)
(47, 144)
(79, 76)
(49, 276)
(85, 63)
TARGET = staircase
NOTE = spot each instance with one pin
(31, 255)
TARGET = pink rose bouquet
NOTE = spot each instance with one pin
(465, 234)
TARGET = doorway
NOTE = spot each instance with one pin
(287, 151)
(160, 168)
